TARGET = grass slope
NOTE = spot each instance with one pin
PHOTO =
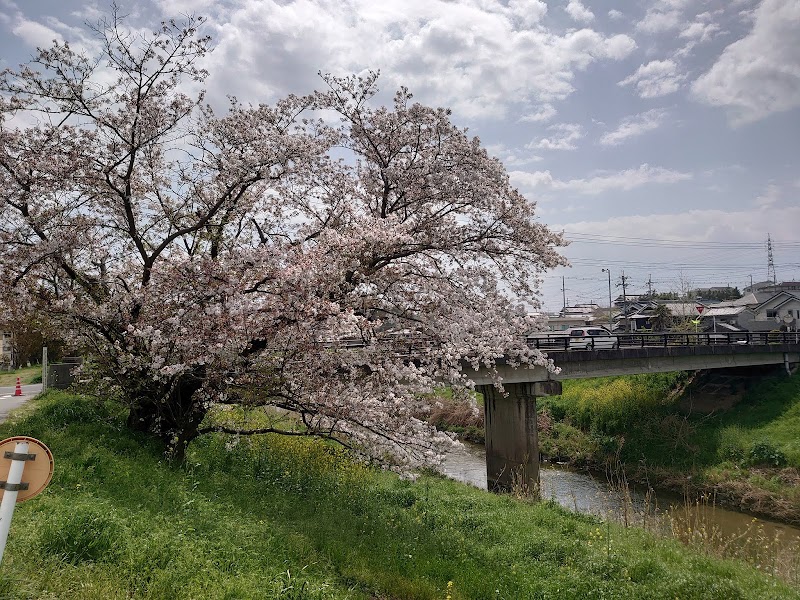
(26, 375)
(291, 518)
(749, 454)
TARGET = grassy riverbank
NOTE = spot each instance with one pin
(746, 453)
(291, 518)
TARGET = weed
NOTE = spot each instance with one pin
(83, 533)
(764, 452)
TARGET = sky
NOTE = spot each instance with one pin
(662, 136)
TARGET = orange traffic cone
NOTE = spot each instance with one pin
(18, 390)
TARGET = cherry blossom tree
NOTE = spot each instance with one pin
(321, 256)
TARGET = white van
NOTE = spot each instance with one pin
(591, 338)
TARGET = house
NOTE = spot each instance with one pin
(759, 311)
(759, 286)
(781, 311)
(723, 317)
(641, 312)
(793, 287)
(579, 315)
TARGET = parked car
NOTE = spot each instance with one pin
(591, 338)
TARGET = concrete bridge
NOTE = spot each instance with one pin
(512, 444)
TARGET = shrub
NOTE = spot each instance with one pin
(763, 452)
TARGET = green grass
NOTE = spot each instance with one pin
(644, 410)
(749, 453)
(770, 413)
(26, 374)
(279, 517)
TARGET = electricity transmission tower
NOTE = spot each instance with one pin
(770, 262)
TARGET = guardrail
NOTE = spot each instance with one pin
(663, 340)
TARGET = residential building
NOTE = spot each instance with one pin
(759, 311)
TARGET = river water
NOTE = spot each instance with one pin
(774, 547)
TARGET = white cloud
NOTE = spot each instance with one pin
(529, 12)
(579, 12)
(531, 180)
(615, 14)
(510, 157)
(35, 34)
(481, 58)
(747, 16)
(759, 74)
(656, 78)
(663, 16)
(544, 113)
(602, 182)
(173, 7)
(699, 31)
(769, 197)
(633, 126)
(564, 137)
(710, 225)
(657, 21)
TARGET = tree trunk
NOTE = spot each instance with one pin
(176, 419)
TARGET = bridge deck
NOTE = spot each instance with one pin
(657, 353)
(557, 341)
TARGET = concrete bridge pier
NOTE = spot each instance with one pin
(512, 440)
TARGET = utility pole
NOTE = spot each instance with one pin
(624, 283)
(564, 296)
(650, 287)
(610, 319)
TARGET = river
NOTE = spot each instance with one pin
(774, 547)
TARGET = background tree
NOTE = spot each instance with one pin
(666, 296)
(662, 318)
(224, 259)
(29, 335)
(721, 294)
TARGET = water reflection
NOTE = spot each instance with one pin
(577, 491)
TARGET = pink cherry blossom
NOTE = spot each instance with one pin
(240, 259)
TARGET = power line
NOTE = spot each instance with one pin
(635, 241)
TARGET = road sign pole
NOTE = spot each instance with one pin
(44, 369)
(10, 494)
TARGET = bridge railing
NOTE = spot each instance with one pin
(555, 342)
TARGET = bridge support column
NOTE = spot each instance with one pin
(512, 439)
